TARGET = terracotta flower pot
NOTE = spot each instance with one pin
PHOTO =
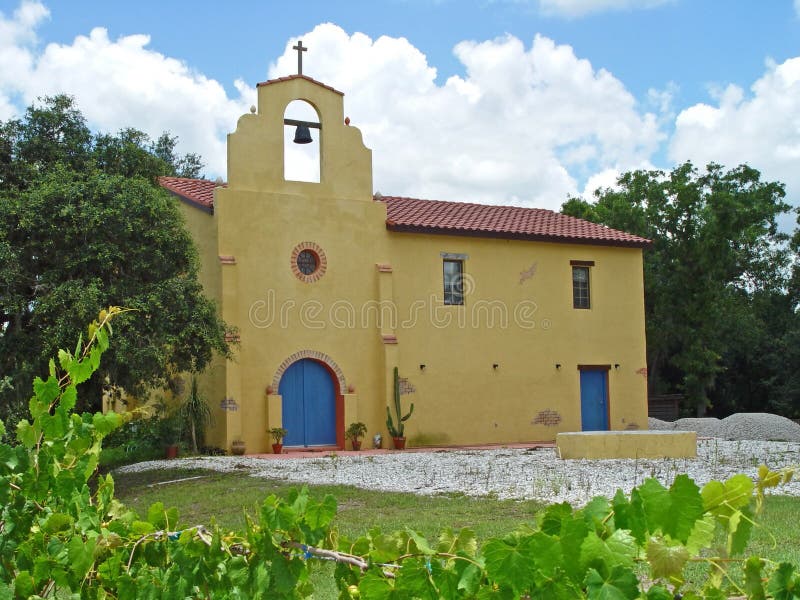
(399, 443)
(356, 445)
(277, 448)
(171, 451)
(237, 448)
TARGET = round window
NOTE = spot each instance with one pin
(307, 262)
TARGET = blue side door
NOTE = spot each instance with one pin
(309, 405)
(594, 400)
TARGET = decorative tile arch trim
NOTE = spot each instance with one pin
(319, 356)
(322, 262)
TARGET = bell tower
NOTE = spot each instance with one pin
(256, 149)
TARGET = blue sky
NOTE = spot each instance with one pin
(530, 100)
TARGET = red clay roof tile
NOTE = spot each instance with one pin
(194, 191)
(514, 222)
(456, 218)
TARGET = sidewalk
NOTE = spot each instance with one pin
(326, 451)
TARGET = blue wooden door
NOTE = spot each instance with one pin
(309, 405)
(594, 400)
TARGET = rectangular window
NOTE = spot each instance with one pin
(580, 287)
(453, 281)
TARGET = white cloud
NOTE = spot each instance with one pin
(579, 8)
(797, 7)
(520, 127)
(761, 129)
(17, 38)
(600, 181)
(120, 83)
(524, 125)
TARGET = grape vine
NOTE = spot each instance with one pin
(64, 535)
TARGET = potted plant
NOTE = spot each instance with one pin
(170, 431)
(397, 431)
(354, 433)
(277, 433)
(237, 447)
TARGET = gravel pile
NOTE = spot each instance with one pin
(741, 426)
(659, 425)
(506, 473)
(760, 426)
(705, 427)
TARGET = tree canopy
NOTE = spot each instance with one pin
(83, 225)
(720, 313)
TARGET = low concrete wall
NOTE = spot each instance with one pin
(627, 444)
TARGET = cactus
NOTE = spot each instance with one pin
(397, 431)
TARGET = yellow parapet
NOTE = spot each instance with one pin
(627, 444)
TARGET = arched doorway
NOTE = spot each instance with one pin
(308, 394)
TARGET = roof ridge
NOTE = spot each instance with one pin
(298, 76)
(460, 203)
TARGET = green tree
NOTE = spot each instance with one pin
(83, 224)
(715, 244)
(188, 165)
(55, 132)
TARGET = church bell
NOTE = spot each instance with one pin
(302, 135)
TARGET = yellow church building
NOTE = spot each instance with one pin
(506, 324)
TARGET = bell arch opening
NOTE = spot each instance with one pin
(302, 131)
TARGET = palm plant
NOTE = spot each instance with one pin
(196, 412)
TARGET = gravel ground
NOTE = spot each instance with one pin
(506, 473)
(741, 426)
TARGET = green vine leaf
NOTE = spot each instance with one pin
(659, 592)
(464, 542)
(784, 584)
(702, 534)
(629, 514)
(753, 584)
(421, 544)
(319, 515)
(509, 563)
(722, 499)
(375, 587)
(666, 558)
(415, 580)
(618, 550)
(385, 548)
(621, 584)
(740, 525)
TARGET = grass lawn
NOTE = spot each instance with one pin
(226, 496)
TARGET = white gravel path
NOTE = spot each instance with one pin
(506, 473)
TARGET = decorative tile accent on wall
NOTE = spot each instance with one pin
(406, 387)
(632, 427)
(547, 417)
(322, 262)
(642, 371)
(384, 267)
(527, 273)
(389, 339)
(321, 357)
(227, 259)
(229, 404)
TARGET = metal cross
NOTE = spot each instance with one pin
(300, 51)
